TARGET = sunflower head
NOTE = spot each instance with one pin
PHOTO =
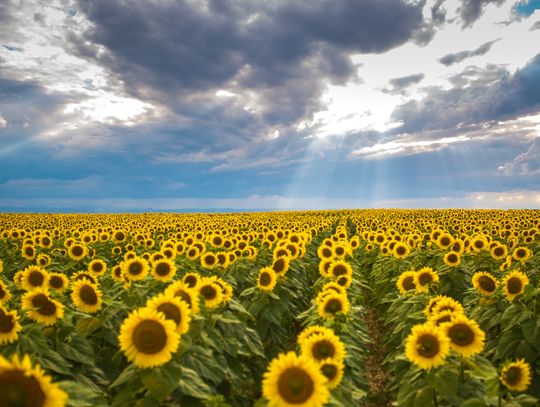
(452, 259)
(484, 282)
(423, 279)
(514, 284)
(9, 326)
(5, 295)
(135, 269)
(281, 266)
(191, 279)
(292, 380)
(211, 292)
(516, 376)
(22, 384)
(185, 293)
(313, 330)
(172, 308)
(58, 281)
(209, 260)
(35, 277)
(333, 371)
(267, 279)
(406, 282)
(41, 308)
(323, 346)
(466, 337)
(427, 346)
(147, 338)
(97, 267)
(163, 269)
(332, 303)
(86, 296)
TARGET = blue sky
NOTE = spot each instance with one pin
(109, 105)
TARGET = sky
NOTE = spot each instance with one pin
(162, 105)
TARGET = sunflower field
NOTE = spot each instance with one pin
(318, 308)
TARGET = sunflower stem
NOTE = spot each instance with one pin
(435, 402)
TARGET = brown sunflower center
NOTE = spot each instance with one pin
(326, 252)
(208, 292)
(295, 385)
(487, 284)
(514, 285)
(339, 270)
(425, 278)
(445, 241)
(461, 334)
(400, 250)
(329, 371)
(498, 251)
(88, 295)
(452, 258)
(340, 251)
(443, 319)
(408, 283)
(19, 390)
(184, 296)
(135, 268)
(191, 281)
(265, 279)
(513, 375)
(427, 346)
(56, 282)
(149, 337)
(323, 349)
(210, 260)
(77, 251)
(3, 292)
(36, 278)
(171, 311)
(29, 251)
(7, 323)
(43, 305)
(279, 265)
(97, 267)
(333, 306)
(162, 269)
(520, 253)
(342, 281)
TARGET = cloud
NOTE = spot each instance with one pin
(403, 82)
(3, 123)
(277, 57)
(471, 10)
(527, 163)
(451, 59)
(512, 95)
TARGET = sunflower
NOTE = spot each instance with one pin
(84, 275)
(281, 266)
(9, 326)
(516, 376)
(209, 260)
(77, 251)
(28, 252)
(514, 284)
(312, 330)
(97, 267)
(427, 346)
(117, 274)
(43, 260)
(466, 337)
(294, 381)
(267, 279)
(174, 309)
(135, 269)
(147, 338)
(191, 279)
(324, 267)
(442, 317)
(452, 259)
(22, 384)
(211, 292)
(479, 242)
(1, 265)
(34, 277)
(193, 252)
(323, 346)
(345, 280)
(406, 281)
(484, 282)
(444, 241)
(498, 251)
(423, 278)
(332, 304)
(339, 268)
(401, 250)
(86, 296)
(58, 281)
(41, 308)
(325, 252)
(521, 254)
(447, 304)
(163, 270)
(333, 371)
(185, 293)
(5, 295)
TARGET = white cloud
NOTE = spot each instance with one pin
(3, 123)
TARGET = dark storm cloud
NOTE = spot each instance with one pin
(398, 84)
(509, 96)
(471, 10)
(281, 51)
(438, 14)
(535, 26)
(451, 59)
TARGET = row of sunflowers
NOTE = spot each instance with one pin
(318, 308)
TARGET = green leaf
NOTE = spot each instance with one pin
(161, 382)
(481, 368)
(129, 373)
(192, 385)
(473, 402)
(86, 326)
(82, 396)
(424, 397)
